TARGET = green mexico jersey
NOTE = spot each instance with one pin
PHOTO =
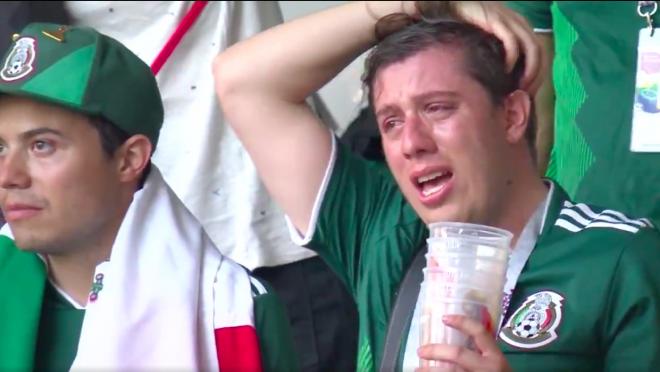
(587, 299)
(40, 329)
(594, 79)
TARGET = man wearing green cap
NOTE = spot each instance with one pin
(79, 119)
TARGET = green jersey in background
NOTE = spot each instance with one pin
(594, 80)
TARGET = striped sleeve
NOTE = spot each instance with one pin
(576, 217)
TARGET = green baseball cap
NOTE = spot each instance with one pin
(85, 71)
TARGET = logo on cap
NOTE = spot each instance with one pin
(20, 59)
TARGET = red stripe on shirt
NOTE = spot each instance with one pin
(237, 349)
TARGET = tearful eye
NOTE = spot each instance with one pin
(390, 124)
(435, 107)
(42, 147)
(438, 111)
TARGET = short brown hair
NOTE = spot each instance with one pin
(483, 54)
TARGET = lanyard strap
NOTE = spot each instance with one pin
(519, 257)
(404, 306)
(174, 40)
(517, 261)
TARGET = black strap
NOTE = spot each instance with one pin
(404, 305)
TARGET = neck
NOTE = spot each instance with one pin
(73, 270)
(73, 275)
(526, 193)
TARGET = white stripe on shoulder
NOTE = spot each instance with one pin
(583, 217)
(599, 217)
(567, 225)
(543, 30)
(582, 208)
(619, 226)
(574, 215)
(647, 222)
(258, 286)
(624, 218)
(570, 226)
(608, 215)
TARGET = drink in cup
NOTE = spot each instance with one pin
(464, 275)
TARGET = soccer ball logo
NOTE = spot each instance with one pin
(529, 326)
(535, 322)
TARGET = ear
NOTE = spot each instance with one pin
(133, 157)
(517, 110)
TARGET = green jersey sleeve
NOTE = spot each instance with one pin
(360, 205)
(537, 12)
(632, 331)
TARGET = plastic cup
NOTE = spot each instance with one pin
(464, 275)
(436, 292)
(466, 263)
(480, 279)
(469, 230)
(434, 331)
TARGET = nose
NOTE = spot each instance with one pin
(417, 137)
(13, 172)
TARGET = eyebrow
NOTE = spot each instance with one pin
(393, 107)
(39, 131)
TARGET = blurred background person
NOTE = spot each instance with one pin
(586, 104)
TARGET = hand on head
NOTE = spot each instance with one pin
(511, 28)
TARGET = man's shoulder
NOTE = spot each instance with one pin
(577, 217)
(607, 230)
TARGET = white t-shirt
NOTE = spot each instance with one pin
(198, 153)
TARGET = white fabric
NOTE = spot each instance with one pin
(198, 153)
(157, 306)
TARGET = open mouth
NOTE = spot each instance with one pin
(433, 183)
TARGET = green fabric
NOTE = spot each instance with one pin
(22, 278)
(40, 329)
(594, 80)
(537, 12)
(369, 235)
(274, 331)
(571, 153)
(87, 72)
(68, 69)
(59, 332)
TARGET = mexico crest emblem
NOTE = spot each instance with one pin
(535, 323)
(19, 62)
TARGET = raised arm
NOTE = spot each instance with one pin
(262, 83)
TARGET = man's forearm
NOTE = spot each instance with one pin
(292, 60)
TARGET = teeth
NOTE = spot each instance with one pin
(432, 190)
(430, 177)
